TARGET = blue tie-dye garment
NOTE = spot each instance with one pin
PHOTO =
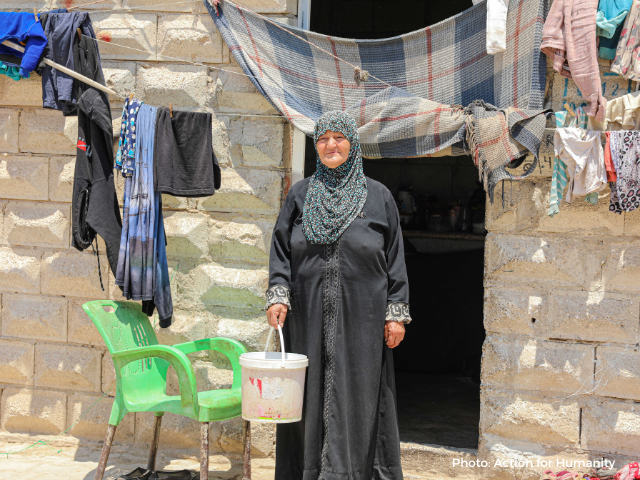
(143, 271)
(125, 157)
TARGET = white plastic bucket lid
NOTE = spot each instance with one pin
(274, 360)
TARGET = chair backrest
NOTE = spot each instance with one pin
(124, 326)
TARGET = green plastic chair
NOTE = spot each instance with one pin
(141, 366)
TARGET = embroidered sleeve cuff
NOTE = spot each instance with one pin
(398, 312)
(278, 294)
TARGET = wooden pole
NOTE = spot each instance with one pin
(106, 449)
(246, 464)
(153, 452)
(66, 70)
(204, 451)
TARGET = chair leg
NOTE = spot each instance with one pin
(246, 427)
(204, 451)
(106, 449)
(151, 462)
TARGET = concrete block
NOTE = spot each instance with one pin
(262, 437)
(514, 311)
(73, 274)
(527, 206)
(214, 285)
(578, 217)
(37, 224)
(153, 5)
(75, 368)
(187, 234)
(236, 93)
(241, 239)
(558, 261)
(80, 328)
(24, 177)
(61, 171)
(177, 431)
(537, 365)
(189, 37)
(20, 270)
(262, 144)
(208, 377)
(621, 269)
(34, 411)
(593, 316)
(9, 130)
(252, 334)
(108, 375)
(16, 362)
(31, 316)
(530, 418)
(132, 30)
(271, 6)
(618, 372)
(187, 326)
(121, 78)
(27, 92)
(94, 424)
(611, 427)
(180, 85)
(47, 131)
(246, 191)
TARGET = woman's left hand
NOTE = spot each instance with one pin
(393, 333)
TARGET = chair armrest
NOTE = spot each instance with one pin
(230, 348)
(176, 358)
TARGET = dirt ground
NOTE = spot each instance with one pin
(79, 463)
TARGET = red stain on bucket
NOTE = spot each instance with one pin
(258, 383)
(104, 36)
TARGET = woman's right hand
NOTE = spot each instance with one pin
(276, 314)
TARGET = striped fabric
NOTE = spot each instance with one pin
(429, 75)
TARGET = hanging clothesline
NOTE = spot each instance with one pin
(106, 89)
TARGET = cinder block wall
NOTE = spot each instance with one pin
(53, 363)
(561, 365)
(561, 293)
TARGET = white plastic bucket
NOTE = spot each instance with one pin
(273, 385)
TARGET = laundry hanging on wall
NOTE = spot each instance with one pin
(426, 73)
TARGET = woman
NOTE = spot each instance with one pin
(337, 275)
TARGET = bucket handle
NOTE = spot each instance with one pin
(266, 347)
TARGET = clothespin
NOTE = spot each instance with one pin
(568, 108)
(79, 33)
(130, 97)
(35, 14)
(171, 110)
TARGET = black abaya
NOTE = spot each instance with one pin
(339, 296)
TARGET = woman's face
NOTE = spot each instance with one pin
(333, 149)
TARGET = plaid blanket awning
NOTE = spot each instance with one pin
(428, 74)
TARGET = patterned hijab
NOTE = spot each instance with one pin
(336, 195)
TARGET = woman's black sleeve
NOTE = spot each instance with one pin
(280, 255)
(398, 284)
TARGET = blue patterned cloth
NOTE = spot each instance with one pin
(143, 271)
(125, 158)
(335, 195)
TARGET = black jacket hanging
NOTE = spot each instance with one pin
(94, 203)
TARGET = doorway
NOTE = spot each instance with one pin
(438, 364)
